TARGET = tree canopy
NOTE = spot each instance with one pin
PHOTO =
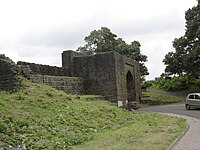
(103, 40)
(186, 58)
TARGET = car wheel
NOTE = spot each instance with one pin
(187, 107)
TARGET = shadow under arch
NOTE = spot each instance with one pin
(130, 86)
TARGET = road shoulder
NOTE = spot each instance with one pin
(190, 138)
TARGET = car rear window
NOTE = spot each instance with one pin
(197, 97)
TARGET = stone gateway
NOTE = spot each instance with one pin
(110, 74)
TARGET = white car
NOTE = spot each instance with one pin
(192, 100)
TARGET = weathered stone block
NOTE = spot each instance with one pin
(9, 74)
(73, 85)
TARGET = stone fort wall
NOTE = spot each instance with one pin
(99, 74)
(109, 74)
(32, 68)
(9, 74)
(72, 85)
(56, 77)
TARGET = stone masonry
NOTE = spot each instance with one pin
(110, 74)
(73, 85)
(9, 74)
(56, 77)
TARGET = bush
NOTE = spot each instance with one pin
(2, 127)
(194, 85)
(175, 84)
(147, 84)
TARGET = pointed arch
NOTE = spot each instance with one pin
(130, 87)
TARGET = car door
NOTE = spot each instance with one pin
(190, 99)
(197, 100)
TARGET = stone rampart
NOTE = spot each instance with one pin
(32, 68)
(9, 74)
(55, 77)
(72, 85)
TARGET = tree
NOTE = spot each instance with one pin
(186, 58)
(175, 61)
(99, 41)
(104, 40)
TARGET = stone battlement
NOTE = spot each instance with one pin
(33, 68)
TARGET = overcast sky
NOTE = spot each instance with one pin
(39, 30)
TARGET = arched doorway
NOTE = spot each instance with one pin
(131, 97)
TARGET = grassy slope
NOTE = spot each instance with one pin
(39, 117)
(160, 98)
(147, 131)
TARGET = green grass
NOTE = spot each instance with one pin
(39, 117)
(152, 98)
(147, 131)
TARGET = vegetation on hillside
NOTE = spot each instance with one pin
(174, 84)
(155, 98)
(39, 117)
(147, 131)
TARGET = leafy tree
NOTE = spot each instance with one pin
(175, 61)
(186, 58)
(99, 41)
(104, 40)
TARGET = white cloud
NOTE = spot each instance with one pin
(38, 30)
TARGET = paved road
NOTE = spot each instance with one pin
(175, 109)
